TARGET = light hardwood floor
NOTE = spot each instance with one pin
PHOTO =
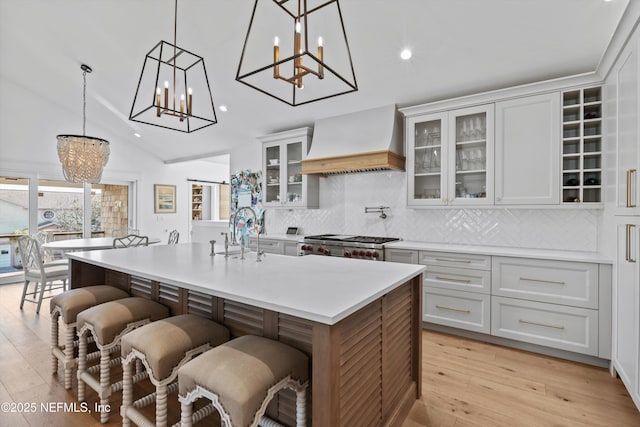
(465, 382)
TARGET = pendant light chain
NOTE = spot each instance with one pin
(84, 102)
(175, 36)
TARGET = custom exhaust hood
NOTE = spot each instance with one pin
(363, 141)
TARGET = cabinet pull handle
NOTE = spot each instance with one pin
(628, 246)
(459, 310)
(553, 282)
(453, 279)
(546, 325)
(466, 261)
(630, 172)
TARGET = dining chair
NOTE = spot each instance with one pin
(173, 237)
(48, 257)
(43, 275)
(130, 241)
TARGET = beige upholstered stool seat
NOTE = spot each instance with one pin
(66, 306)
(72, 302)
(163, 347)
(241, 376)
(107, 323)
(109, 320)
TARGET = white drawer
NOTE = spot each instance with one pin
(464, 310)
(558, 282)
(461, 279)
(450, 259)
(401, 255)
(552, 325)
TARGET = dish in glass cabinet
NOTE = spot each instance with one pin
(591, 181)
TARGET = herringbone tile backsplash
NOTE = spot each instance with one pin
(344, 197)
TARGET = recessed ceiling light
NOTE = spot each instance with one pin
(137, 135)
(223, 108)
(405, 54)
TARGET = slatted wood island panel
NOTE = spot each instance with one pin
(365, 360)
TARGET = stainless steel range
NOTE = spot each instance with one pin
(348, 246)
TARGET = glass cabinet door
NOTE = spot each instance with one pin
(472, 137)
(294, 173)
(272, 176)
(426, 162)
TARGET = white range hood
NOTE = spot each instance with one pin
(363, 141)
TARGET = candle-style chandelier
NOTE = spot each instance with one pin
(83, 157)
(310, 58)
(183, 102)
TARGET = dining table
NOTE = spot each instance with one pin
(90, 244)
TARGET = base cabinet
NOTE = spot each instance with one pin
(563, 305)
(274, 246)
(465, 310)
(552, 325)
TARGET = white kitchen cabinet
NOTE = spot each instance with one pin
(527, 150)
(405, 256)
(626, 306)
(582, 132)
(558, 282)
(450, 157)
(626, 75)
(283, 184)
(465, 310)
(457, 289)
(563, 305)
(274, 245)
(559, 326)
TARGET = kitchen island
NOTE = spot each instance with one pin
(359, 321)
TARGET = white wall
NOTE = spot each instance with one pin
(28, 128)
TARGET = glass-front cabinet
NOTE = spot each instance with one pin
(283, 183)
(450, 157)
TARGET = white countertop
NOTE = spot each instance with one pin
(559, 255)
(283, 237)
(321, 289)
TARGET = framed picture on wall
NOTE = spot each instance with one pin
(164, 198)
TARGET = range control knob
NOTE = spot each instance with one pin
(376, 255)
(347, 254)
(361, 253)
(354, 253)
(368, 254)
(320, 250)
(327, 252)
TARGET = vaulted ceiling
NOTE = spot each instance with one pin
(459, 47)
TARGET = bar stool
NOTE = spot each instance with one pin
(163, 347)
(107, 323)
(240, 377)
(65, 307)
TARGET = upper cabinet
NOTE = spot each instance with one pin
(528, 150)
(450, 157)
(283, 184)
(627, 89)
(540, 149)
(582, 145)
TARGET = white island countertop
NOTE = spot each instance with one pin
(321, 289)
